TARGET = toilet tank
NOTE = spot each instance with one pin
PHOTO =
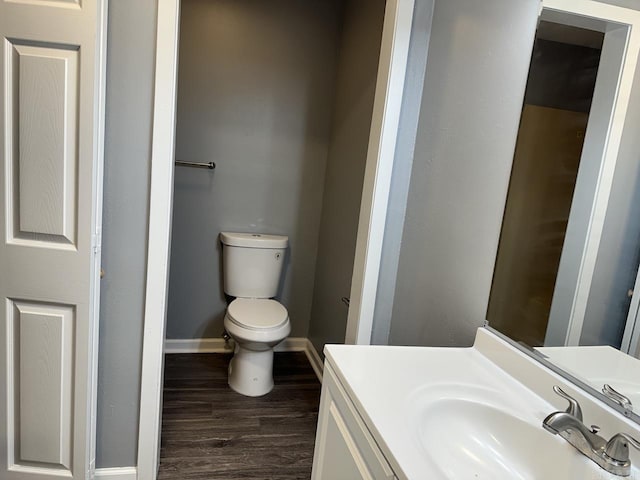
(252, 263)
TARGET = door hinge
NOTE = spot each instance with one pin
(91, 470)
(96, 241)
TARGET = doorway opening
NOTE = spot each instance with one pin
(389, 87)
(274, 162)
(280, 95)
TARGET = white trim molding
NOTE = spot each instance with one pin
(97, 205)
(385, 121)
(219, 345)
(159, 238)
(314, 359)
(117, 473)
(197, 345)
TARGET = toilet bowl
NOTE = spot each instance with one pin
(252, 267)
(256, 326)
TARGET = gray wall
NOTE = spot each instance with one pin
(477, 66)
(130, 64)
(355, 89)
(255, 95)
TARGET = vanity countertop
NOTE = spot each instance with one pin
(400, 392)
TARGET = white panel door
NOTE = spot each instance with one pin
(51, 122)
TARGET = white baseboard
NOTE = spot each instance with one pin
(118, 473)
(314, 359)
(292, 344)
(218, 345)
(197, 345)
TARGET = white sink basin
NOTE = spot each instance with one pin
(468, 440)
(473, 432)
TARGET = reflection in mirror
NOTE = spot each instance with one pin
(548, 171)
(558, 98)
(605, 366)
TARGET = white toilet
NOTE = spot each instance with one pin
(252, 265)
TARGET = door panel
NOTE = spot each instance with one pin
(41, 382)
(51, 71)
(42, 100)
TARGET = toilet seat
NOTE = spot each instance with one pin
(257, 313)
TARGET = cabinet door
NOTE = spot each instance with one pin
(340, 459)
(345, 450)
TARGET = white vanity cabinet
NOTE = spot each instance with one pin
(419, 413)
(345, 450)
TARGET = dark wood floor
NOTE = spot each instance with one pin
(211, 432)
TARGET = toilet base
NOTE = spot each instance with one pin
(251, 371)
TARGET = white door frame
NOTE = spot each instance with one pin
(598, 164)
(392, 67)
(631, 338)
(384, 128)
(159, 243)
(97, 206)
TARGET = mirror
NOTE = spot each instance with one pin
(565, 272)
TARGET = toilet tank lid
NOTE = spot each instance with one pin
(253, 240)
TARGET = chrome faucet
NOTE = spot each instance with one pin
(613, 456)
(619, 398)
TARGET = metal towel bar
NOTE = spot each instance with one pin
(209, 165)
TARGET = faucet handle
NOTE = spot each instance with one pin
(618, 447)
(617, 397)
(574, 407)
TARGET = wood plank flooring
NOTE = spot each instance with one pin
(211, 432)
